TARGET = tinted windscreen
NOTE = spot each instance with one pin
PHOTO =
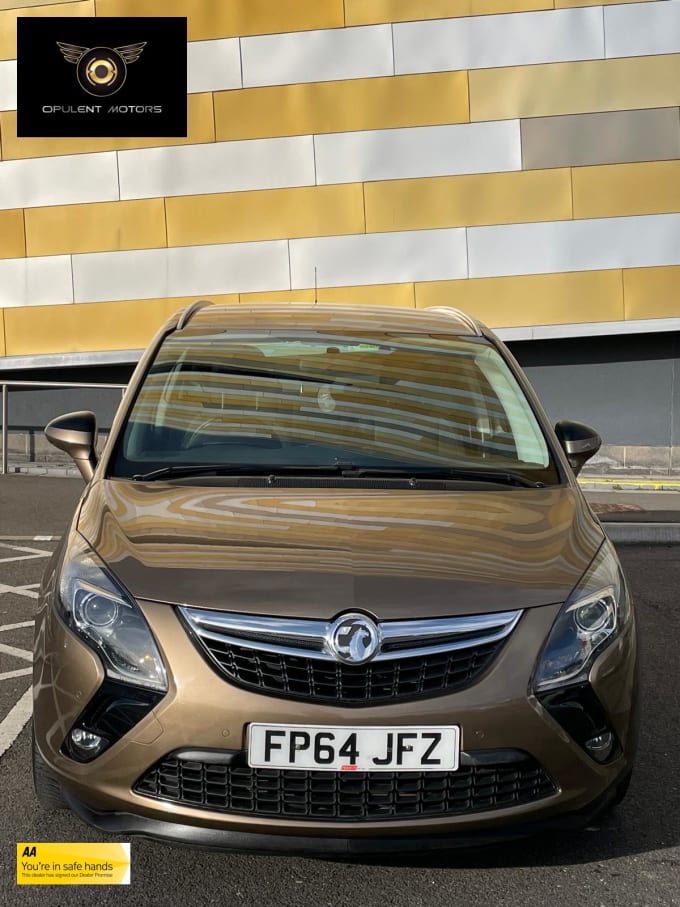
(306, 398)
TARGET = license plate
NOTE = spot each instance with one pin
(344, 749)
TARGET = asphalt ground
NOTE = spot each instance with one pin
(631, 857)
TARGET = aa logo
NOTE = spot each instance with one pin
(101, 71)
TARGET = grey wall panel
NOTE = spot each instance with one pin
(675, 412)
(32, 409)
(623, 387)
(601, 138)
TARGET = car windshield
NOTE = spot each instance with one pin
(285, 399)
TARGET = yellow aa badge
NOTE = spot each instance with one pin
(73, 864)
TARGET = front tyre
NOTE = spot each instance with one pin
(47, 788)
(621, 790)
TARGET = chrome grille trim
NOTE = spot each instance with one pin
(308, 638)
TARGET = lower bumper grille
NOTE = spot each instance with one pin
(514, 779)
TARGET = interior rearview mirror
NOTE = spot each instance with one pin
(580, 442)
(76, 434)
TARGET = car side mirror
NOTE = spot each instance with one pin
(579, 442)
(76, 434)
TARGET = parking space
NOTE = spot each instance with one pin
(21, 565)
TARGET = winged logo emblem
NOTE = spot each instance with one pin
(101, 70)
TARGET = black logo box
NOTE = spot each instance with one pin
(62, 91)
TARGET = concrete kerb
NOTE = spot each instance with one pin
(642, 533)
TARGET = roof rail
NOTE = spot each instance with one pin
(191, 310)
(456, 313)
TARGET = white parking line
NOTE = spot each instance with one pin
(16, 653)
(25, 553)
(26, 591)
(20, 672)
(23, 548)
(23, 557)
(14, 722)
(19, 626)
(29, 538)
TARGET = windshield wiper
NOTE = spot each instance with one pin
(230, 469)
(342, 470)
(505, 477)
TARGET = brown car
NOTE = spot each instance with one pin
(332, 587)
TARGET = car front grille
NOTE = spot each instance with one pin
(512, 780)
(290, 657)
(321, 681)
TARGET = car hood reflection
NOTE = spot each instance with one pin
(315, 553)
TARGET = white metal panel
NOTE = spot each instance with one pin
(317, 56)
(8, 84)
(152, 273)
(580, 245)
(35, 281)
(230, 268)
(101, 276)
(217, 167)
(213, 65)
(378, 258)
(642, 29)
(384, 154)
(515, 39)
(64, 180)
(589, 328)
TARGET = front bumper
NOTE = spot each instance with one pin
(201, 711)
(123, 824)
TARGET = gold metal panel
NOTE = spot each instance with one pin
(265, 214)
(580, 296)
(469, 200)
(392, 294)
(223, 18)
(365, 12)
(200, 128)
(343, 106)
(624, 189)
(278, 296)
(559, 4)
(23, 4)
(491, 7)
(12, 240)
(3, 351)
(101, 227)
(651, 292)
(90, 327)
(556, 88)
(8, 21)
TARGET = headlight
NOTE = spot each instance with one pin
(95, 607)
(590, 620)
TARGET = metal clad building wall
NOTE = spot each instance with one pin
(519, 159)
